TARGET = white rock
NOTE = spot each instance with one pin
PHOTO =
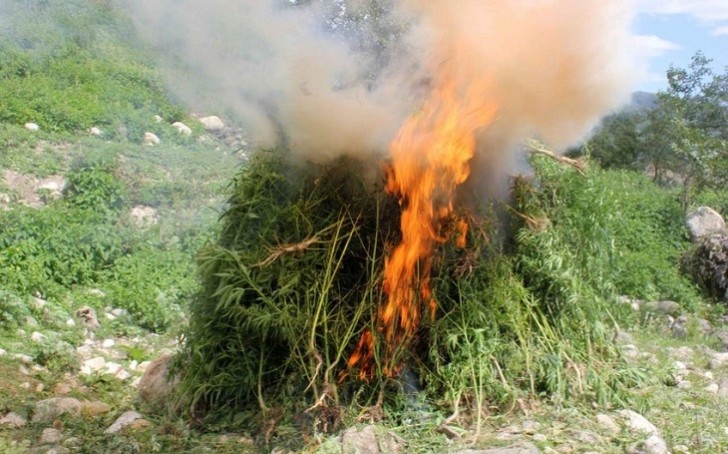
(70, 323)
(638, 423)
(109, 316)
(36, 336)
(679, 365)
(182, 128)
(96, 132)
(13, 420)
(89, 342)
(118, 312)
(95, 364)
(124, 420)
(23, 358)
(20, 332)
(708, 374)
(23, 370)
(704, 221)
(607, 423)
(50, 436)
(151, 139)
(212, 123)
(38, 368)
(656, 445)
(31, 126)
(25, 385)
(718, 359)
(133, 365)
(143, 366)
(157, 118)
(122, 374)
(685, 384)
(108, 343)
(3, 352)
(712, 388)
(112, 368)
(85, 370)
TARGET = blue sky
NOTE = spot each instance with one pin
(671, 31)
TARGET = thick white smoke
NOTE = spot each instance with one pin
(336, 77)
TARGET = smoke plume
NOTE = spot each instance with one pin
(332, 77)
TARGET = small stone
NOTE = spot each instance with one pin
(95, 364)
(31, 126)
(50, 436)
(540, 438)
(685, 384)
(182, 128)
(708, 374)
(122, 375)
(62, 389)
(712, 388)
(39, 387)
(681, 449)
(49, 409)
(138, 424)
(717, 360)
(112, 368)
(122, 421)
(133, 365)
(23, 370)
(623, 337)
(704, 326)
(110, 317)
(157, 118)
(30, 321)
(663, 307)
(638, 423)
(96, 132)
(118, 312)
(151, 139)
(679, 365)
(143, 366)
(586, 437)
(656, 445)
(96, 292)
(70, 323)
(607, 423)
(36, 336)
(20, 332)
(108, 343)
(88, 316)
(530, 427)
(25, 385)
(95, 408)
(13, 420)
(25, 359)
(3, 352)
(212, 123)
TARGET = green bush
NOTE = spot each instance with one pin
(621, 232)
(153, 285)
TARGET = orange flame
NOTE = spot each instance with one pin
(430, 159)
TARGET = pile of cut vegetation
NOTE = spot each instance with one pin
(295, 278)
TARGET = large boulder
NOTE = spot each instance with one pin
(157, 384)
(707, 263)
(704, 221)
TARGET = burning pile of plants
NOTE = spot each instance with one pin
(333, 282)
(290, 328)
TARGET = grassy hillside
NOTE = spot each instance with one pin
(528, 346)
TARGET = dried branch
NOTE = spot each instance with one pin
(537, 148)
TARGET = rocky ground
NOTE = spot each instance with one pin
(102, 404)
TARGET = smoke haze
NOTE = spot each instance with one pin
(336, 77)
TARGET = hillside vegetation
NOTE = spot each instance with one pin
(258, 275)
